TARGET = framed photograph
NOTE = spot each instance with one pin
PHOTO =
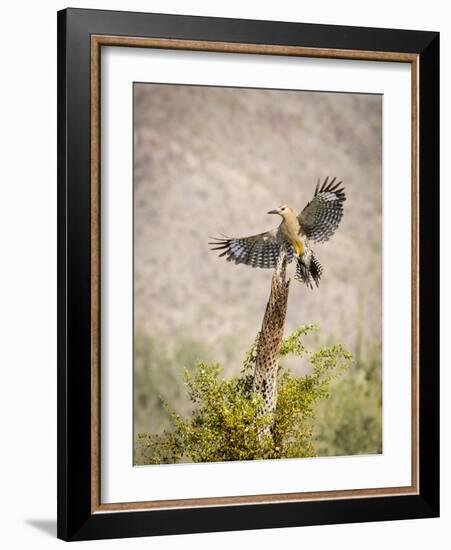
(248, 274)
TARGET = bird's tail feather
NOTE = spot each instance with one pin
(308, 272)
(316, 270)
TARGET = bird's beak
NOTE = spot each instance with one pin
(273, 212)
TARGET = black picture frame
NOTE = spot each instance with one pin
(76, 519)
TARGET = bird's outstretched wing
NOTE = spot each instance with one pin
(322, 215)
(260, 250)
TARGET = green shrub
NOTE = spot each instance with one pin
(158, 379)
(225, 423)
(350, 422)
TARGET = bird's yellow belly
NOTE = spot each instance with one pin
(290, 232)
(298, 246)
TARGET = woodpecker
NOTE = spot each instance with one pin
(317, 222)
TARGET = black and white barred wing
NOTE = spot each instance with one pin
(322, 215)
(260, 250)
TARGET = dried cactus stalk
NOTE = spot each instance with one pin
(270, 338)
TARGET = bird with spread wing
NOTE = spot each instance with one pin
(317, 222)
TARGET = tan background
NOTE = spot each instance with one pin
(215, 160)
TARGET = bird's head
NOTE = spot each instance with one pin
(283, 211)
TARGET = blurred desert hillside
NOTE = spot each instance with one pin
(211, 161)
